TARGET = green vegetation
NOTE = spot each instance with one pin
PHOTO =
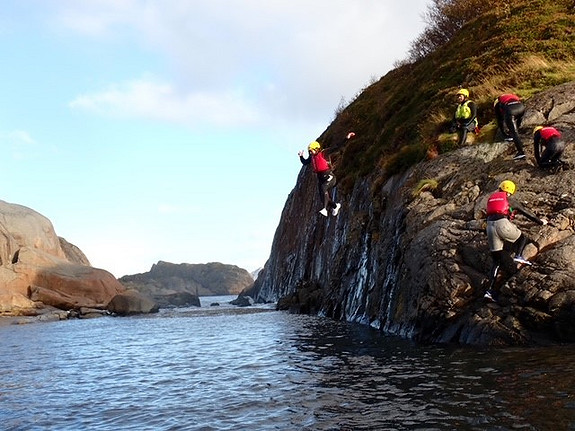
(425, 185)
(521, 46)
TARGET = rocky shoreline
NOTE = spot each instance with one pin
(412, 260)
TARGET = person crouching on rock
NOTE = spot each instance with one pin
(325, 176)
(509, 112)
(550, 138)
(465, 117)
(500, 211)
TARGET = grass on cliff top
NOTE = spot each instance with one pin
(525, 48)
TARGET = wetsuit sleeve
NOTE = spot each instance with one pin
(453, 125)
(537, 146)
(473, 107)
(305, 161)
(521, 209)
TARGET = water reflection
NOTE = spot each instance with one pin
(224, 368)
(396, 384)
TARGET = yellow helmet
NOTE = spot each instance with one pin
(463, 91)
(314, 146)
(536, 129)
(507, 186)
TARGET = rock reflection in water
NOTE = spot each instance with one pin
(225, 368)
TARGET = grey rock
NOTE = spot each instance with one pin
(415, 264)
(179, 285)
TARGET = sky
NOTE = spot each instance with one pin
(150, 130)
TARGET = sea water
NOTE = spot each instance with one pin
(230, 368)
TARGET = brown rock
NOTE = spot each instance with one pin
(131, 302)
(16, 304)
(73, 253)
(37, 268)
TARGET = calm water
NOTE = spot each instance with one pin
(226, 368)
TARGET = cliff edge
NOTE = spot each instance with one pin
(408, 252)
(409, 255)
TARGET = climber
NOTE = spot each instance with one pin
(500, 211)
(509, 112)
(465, 117)
(550, 138)
(325, 176)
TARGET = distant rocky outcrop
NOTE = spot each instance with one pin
(409, 255)
(172, 284)
(40, 272)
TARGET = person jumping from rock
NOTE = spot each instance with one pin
(550, 138)
(509, 112)
(465, 117)
(325, 176)
(500, 211)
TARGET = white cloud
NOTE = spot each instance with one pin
(97, 18)
(146, 98)
(241, 61)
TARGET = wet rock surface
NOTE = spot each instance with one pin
(410, 256)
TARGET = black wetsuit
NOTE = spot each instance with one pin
(509, 112)
(550, 138)
(520, 243)
(326, 179)
(464, 125)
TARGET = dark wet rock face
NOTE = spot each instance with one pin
(410, 256)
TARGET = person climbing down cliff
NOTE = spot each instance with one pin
(509, 112)
(465, 117)
(550, 138)
(500, 211)
(326, 178)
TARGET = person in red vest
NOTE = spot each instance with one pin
(325, 176)
(509, 112)
(501, 209)
(550, 138)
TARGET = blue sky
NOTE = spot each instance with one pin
(150, 130)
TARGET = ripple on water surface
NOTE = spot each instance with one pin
(228, 368)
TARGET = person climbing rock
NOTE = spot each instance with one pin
(501, 209)
(509, 112)
(465, 117)
(550, 139)
(325, 176)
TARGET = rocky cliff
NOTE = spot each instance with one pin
(409, 255)
(42, 274)
(180, 284)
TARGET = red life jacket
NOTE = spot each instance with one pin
(549, 132)
(506, 98)
(319, 163)
(497, 204)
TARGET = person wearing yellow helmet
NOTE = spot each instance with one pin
(550, 139)
(501, 209)
(463, 92)
(509, 112)
(465, 117)
(325, 176)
